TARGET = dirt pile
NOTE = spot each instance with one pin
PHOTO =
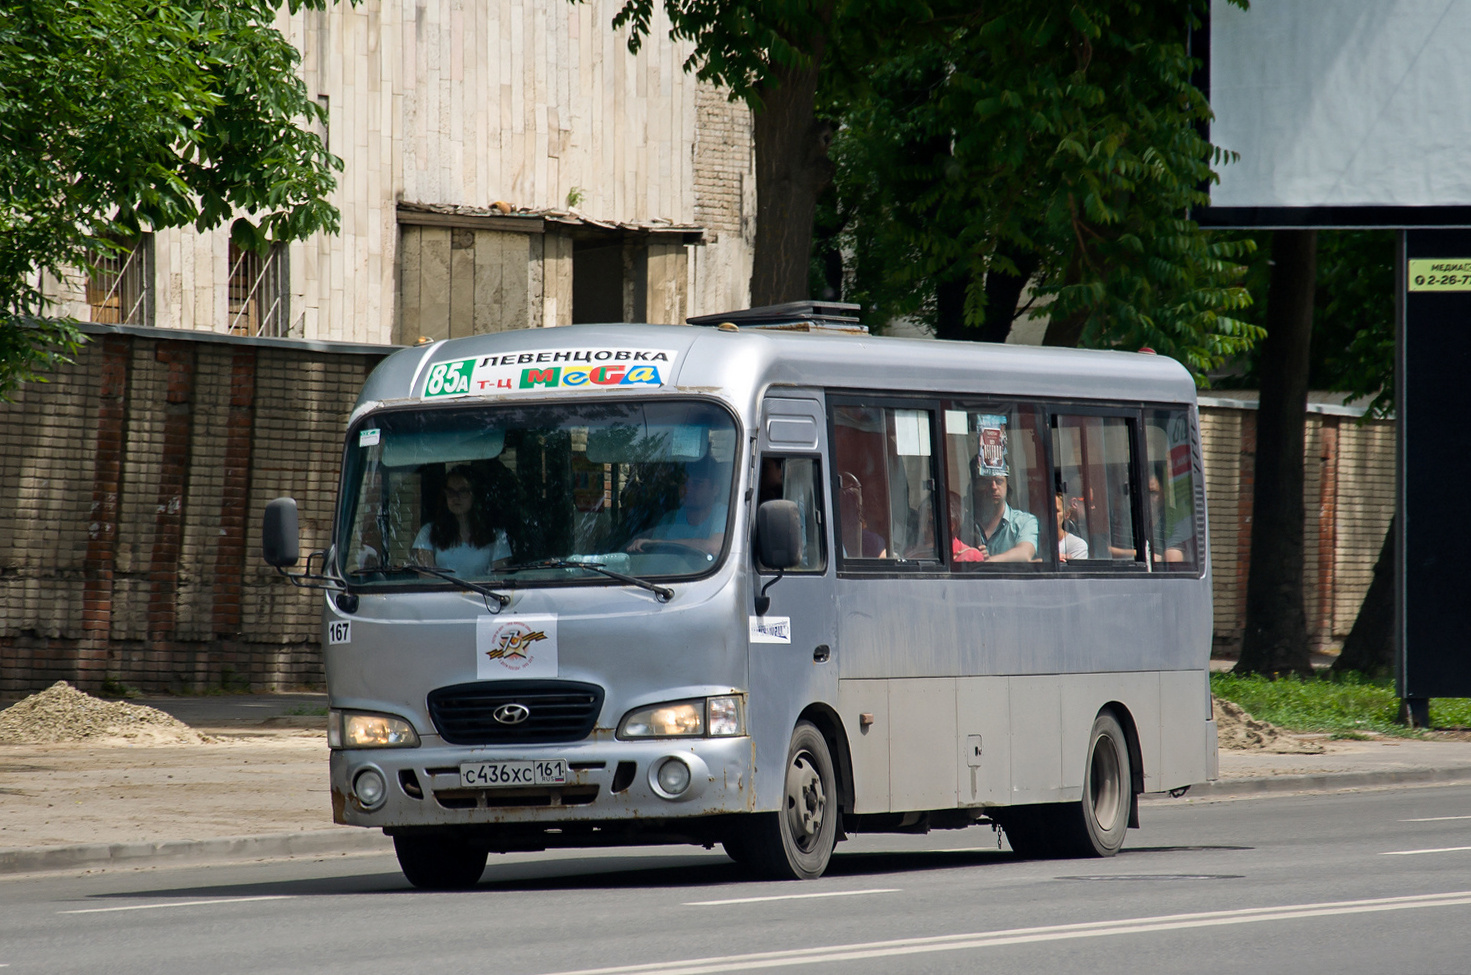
(1237, 729)
(61, 713)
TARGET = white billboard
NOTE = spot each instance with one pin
(1342, 104)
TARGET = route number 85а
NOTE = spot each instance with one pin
(449, 378)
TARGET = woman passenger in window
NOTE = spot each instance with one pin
(461, 537)
(1069, 546)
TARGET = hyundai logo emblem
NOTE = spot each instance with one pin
(511, 713)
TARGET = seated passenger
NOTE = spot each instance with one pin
(699, 521)
(461, 537)
(1069, 546)
(959, 551)
(857, 541)
(1006, 535)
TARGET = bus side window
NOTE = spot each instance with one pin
(797, 479)
(1170, 476)
(996, 492)
(1093, 455)
(885, 483)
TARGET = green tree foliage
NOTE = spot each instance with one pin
(1055, 141)
(1353, 316)
(118, 116)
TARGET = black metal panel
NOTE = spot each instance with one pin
(1435, 346)
(559, 710)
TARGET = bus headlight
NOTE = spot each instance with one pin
(364, 729)
(701, 717)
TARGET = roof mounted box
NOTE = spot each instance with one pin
(819, 317)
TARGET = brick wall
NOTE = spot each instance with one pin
(1348, 498)
(130, 549)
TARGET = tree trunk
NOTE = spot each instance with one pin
(1004, 294)
(1369, 648)
(1276, 637)
(792, 168)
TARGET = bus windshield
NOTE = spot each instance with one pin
(535, 494)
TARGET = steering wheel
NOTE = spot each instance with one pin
(668, 546)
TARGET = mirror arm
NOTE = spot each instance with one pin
(307, 579)
(763, 601)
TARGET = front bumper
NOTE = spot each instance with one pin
(608, 781)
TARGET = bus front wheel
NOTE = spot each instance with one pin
(439, 862)
(796, 842)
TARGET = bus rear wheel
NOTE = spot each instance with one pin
(1095, 825)
(439, 862)
(796, 842)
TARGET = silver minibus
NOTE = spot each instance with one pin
(768, 588)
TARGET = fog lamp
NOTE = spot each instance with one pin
(674, 776)
(369, 788)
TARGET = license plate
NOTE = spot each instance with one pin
(509, 775)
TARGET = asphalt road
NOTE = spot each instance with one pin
(1336, 883)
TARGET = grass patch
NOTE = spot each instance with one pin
(1343, 705)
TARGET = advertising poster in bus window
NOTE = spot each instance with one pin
(991, 444)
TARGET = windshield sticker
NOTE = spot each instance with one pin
(771, 629)
(521, 372)
(521, 647)
(370, 438)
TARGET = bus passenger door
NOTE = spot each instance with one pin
(792, 644)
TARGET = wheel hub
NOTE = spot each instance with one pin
(806, 801)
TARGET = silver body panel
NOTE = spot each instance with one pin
(982, 691)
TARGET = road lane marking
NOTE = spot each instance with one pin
(1407, 853)
(793, 897)
(1059, 932)
(1434, 819)
(154, 907)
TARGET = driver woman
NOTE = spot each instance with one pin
(461, 538)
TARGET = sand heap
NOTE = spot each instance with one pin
(1237, 729)
(61, 713)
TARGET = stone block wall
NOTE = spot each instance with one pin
(135, 482)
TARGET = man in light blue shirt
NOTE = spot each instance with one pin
(1007, 535)
(699, 521)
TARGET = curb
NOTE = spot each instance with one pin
(1329, 782)
(45, 858)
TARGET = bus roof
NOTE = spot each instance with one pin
(741, 363)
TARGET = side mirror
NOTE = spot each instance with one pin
(779, 534)
(280, 537)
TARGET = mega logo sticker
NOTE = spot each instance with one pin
(524, 646)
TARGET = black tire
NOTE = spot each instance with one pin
(439, 862)
(796, 842)
(1092, 827)
(1095, 827)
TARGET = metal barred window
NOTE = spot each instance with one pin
(120, 283)
(258, 290)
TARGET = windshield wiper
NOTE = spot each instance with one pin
(664, 593)
(438, 573)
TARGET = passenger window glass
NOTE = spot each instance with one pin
(996, 485)
(797, 479)
(1093, 458)
(1171, 480)
(885, 483)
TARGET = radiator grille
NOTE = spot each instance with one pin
(464, 714)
